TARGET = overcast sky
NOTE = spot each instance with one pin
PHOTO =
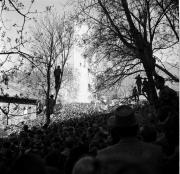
(10, 18)
(61, 6)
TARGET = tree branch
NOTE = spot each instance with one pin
(115, 27)
(174, 78)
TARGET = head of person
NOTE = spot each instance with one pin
(58, 67)
(86, 165)
(69, 142)
(159, 82)
(52, 158)
(123, 123)
(28, 163)
(148, 133)
(51, 96)
(25, 128)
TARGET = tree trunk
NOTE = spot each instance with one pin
(7, 120)
(145, 54)
(149, 66)
(57, 90)
(47, 98)
(152, 90)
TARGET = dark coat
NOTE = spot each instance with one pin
(146, 153)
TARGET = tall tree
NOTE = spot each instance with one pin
(14, 19)
(13, 31)
(128, 33)
(52, 40)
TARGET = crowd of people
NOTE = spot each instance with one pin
(141, 88)
(129, 140)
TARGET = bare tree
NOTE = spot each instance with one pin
(13, 31)
(127, 34)
(12, 45)
(51, 44)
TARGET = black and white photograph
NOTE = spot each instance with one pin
(89, 86)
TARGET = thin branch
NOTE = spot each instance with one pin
(17, 9)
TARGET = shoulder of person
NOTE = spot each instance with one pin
(153, 148)
(169, 90)
(106, 150)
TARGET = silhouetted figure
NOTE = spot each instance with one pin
(139, 83)
(5, 79)
(168, 112)
(167, 96)
(145, 87)
(124, 128)
(28, 163)
(135, 94)
(2, 91)
(87, 165)
(39, 107)
(51, 104)
(122, 165)
(57, 75)
(149, 133)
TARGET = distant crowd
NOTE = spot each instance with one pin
(130, 140)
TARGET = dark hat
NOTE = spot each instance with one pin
(123, 117)
(159, 78)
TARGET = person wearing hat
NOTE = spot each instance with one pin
(124, 129)
(167, 96)
(139, 83)
(168, 112)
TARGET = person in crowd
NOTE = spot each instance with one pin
(57, 76)
(51, 104)
(135, 94)
(28, 163)
(75, 154)
(168, 112)
(149, 133)
(124, 127)
(120, 147)
(122, 165)
(145, 87)
(5, 79)
(87, 165)
(139, 83)
(2, 91)
(167, 96)
(39, 107)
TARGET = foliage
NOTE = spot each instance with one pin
(127, 34)
(112, 39)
